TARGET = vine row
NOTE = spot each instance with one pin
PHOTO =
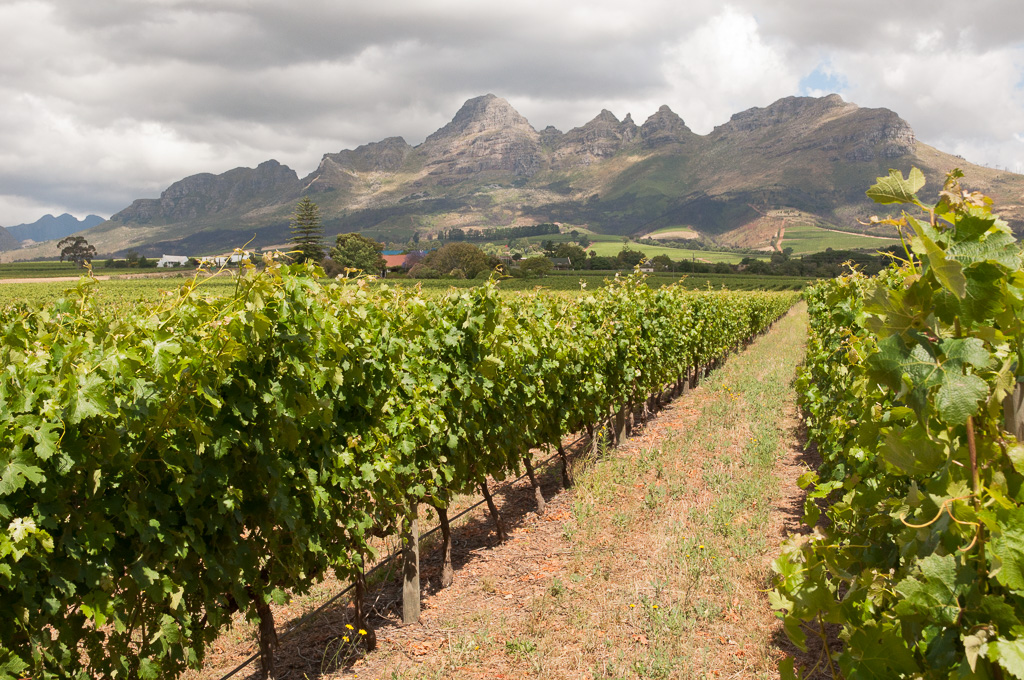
(911, 392)
(163, 468)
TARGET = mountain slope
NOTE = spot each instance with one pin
(489, 167)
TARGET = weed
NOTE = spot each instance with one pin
(520, 648)
(621, 519)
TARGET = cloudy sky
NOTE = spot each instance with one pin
(105, 101)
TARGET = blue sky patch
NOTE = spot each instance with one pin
(822, 79)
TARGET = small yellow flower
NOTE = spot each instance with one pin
(702, 547)
(345, 638)
(631, 606)
(362, 632)
(349, 626)
(655, 606)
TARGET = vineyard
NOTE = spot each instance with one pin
(166, 465)
(912, 393)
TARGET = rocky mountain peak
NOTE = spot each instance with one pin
(206, 194)
(487, 134)
(481, 114)
(664, 127)
(386, 155)
(788, 111)
(841, 129)
(601, 137)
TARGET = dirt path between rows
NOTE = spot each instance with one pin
(655, 563)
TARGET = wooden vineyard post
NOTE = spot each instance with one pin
(493, 509)
(447, 573)
(268, 638)
(1013, 412)
(537, 493)
(619, 431)
(411, 570)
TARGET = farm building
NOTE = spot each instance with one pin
(172, 261)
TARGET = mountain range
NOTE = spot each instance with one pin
(48, 228)
(801, 158)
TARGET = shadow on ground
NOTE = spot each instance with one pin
(814, 662)
(316, 648)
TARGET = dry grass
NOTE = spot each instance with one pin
(654, 565)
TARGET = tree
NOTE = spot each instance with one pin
(354, 251)
(536, 266)
(577, 256)
(661, 263)
(307, 232)
(463, 256)
(630, 258)
(422, 271)
(76, 249)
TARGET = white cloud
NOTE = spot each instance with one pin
(111, 100)
(957, 99)
(725, 66)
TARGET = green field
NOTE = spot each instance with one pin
(134, 291)
(612, 248)
(608, 245)
(805, 239)
(32, 270)
(124, 291)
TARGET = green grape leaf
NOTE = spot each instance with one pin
(948, 272)
(1006, 552)
(786, 670)
(148, 669)
(90, 398)
(912, 451)
(934, 594)
(16, 473)
(958, 396)
(880, 654)
(967, 351)
(896, 189)
(1016, 455)
(999, 612)
(11, 667)
(1009, 654)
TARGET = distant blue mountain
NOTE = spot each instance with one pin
(7, 242)
(48, 227)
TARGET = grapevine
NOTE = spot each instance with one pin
(920, 556)
(164, 467)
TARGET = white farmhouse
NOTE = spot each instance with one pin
(234, 258)
(172, 261)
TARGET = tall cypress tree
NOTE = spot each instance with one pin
(307, 232)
